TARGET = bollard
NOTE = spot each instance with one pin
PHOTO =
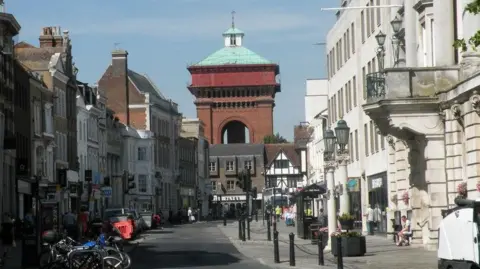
(276, 252)
(274, 226)
(269, 232)
(292, 249)
(248, 229)
(321, 260)
(244, 238)
(339, 253)
(256, 216)
(239, 229)
(224, 220)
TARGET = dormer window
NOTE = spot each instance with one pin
(233, 40)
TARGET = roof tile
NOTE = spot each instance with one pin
(272, 150)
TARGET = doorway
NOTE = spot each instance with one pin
(378, 199)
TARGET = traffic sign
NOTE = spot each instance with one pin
(106, 192)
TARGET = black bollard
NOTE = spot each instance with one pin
(321, 260)
(274, 226)
(244, 237)
(256, 216)
(339, 253)
(269, 232)
(248, 229)
(224, 220)
(276, 252)
(292, 249)
(239, 229)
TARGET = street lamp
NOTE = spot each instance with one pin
(380, 37)
(342, 131)
(329, 140)
(396, 25)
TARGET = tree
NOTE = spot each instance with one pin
(474, 41)
(274, 139)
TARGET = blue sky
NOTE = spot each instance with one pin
(164, 36)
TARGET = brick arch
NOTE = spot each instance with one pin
(243, 120)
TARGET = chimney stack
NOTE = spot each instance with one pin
(120, 70)
(51, 37)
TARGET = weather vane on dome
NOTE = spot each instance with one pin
(233, 19)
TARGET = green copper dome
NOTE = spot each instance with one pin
(233, 55)
(233, 31)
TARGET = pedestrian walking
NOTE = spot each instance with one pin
(70, 224)
(370, 220)
(7, 235)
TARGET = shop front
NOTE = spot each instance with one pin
(353, 189)
(73, 190)
(378, 199)
(187, 196)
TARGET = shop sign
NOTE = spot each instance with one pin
(377, 183)
(353, 185)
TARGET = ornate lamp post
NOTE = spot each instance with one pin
(381, 37)
(342, 132)
(330, 165)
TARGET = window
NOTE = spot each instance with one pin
(382, 141)
(61, 141)
(214, 185)
(60, 103)
(142, 154)
(230, 185)
(350, 146)
(367, 21)
(37, 117)
(352, 39)
(364, 78)
(229, 166)
(233, 40)
(248, 165)
(142, 183)
(280, 164)
(356, 145)
(291, 182)
(362, 21)
(372, 137)
(365, 129)
(212, 166)
(347, 44)
(354, 82)
(379, 14)
(372, 16)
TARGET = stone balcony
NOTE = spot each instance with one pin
(406, 97)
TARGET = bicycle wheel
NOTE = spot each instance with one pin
(112, 262)
(124, 257)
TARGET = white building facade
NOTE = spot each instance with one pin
(424, 102)
(351, 55)
(114, 171)
(82, 146)
(138, 161)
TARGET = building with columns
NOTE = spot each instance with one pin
(426, 103)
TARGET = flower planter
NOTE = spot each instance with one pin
(351, 246)
(347, 224)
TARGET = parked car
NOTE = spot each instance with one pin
(137, 224)
(147, 217)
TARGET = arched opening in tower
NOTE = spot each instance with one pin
(235, 132)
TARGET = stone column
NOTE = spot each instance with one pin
(342, 174)
(410, 24)
(454, 164)
(470, 59)
(444, 33)
(332, 212)
(392, 183)
(472, 141)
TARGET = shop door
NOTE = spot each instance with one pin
(378, 199)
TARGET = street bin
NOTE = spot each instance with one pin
(29, 250)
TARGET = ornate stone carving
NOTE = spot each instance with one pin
(456, 111)
(329, 165)
(475, 101)
(343, 159)
(391, 141)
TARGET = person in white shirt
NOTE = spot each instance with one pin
(370, 220)
(405, 233)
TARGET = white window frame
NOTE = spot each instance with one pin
(142, 154)
(248, 164)
(212, 166)
(230, 166)
(37, 118)
(48, 118)
(60, 103)
(214, 185)
(142, 183)
(232, 184)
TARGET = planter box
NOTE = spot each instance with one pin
(347, 224)
(351, 246)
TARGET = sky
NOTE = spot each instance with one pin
(163, 37)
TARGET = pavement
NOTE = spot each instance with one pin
(381, 251)
(14, 258)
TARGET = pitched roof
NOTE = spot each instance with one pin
(36, 59)
(233, 31)
(219, 150)
(273, 150)
(233, 55)
(144, 84)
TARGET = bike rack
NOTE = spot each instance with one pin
(79, 252)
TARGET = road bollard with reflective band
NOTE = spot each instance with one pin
(244, 236)
(276, 252)
(248, 229)
(292, 249)
(269, 231)
(339, 253)
(321, 260)
(239, 229)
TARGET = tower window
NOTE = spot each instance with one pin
(233, 40)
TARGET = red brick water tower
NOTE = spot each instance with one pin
(234, 91)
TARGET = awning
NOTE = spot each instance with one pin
(312, 190)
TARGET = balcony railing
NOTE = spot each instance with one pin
(375, 86)
(410, 82)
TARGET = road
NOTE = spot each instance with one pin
(189, 246)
